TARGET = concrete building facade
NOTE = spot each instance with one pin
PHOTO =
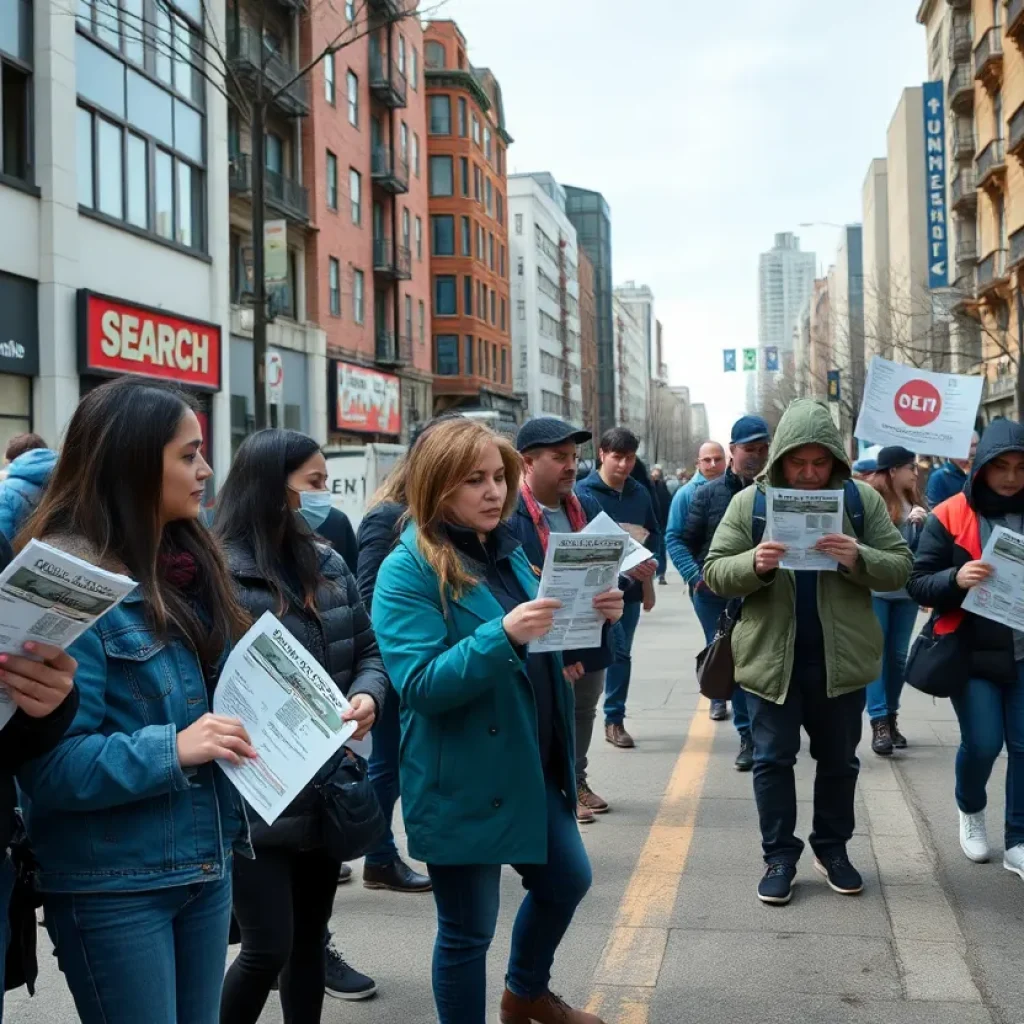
(546, 348)
(846, 306)
(588, 342)
(875, 212)
(639, 300)
(632, 379)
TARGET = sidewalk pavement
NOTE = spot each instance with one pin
(672, 930)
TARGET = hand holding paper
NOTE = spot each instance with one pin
(41, 682)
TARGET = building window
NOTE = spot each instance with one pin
(463, 125)
(501, 322)
(504, 366)
(444, 295)
(490, 250)
(467, 295)
(329, 78)
(494, 361)
(464, 169)
(480, 242)
(446, 347)
(521, 309)
(494, 308)
(489, 193)
(401, 53)
(483, 357)
(442, 227)
(519, 223)
(501, 160)
(467, 237)
(440, 115)
(334, 285)
(416, 154)
(468, 355)
(332, 181)
(358, 296)
(403, 142)
(487, 143)
(419, 239)
(350, 10)
(501, 206)
(476, 129)
(434, 55)
(408, 318)
(414, 72)
(501, 268)
(16, 112)
(441, 176)
(355, 188)
(519, 266)
(481, 301)
(406, 241)
(423, 323)
(353, 98)
(477, 178)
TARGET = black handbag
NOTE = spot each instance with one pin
(353, 821)
(939, 665)
(20, 961)
(716, 671)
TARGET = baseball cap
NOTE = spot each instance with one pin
(895, 456)
(545, 431)
(748, 429)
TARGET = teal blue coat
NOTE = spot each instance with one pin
(473, 789)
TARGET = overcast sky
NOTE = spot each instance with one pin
(708, 127)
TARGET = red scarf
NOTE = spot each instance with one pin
(573, 509)
(179, 570)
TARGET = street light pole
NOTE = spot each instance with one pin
(259, 320)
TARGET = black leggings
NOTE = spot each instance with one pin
(283, 902)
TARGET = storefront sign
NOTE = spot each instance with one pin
(364, 400)
(118, 337)
(935, 183)
(19, 326)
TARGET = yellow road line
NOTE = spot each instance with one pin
(632, 957)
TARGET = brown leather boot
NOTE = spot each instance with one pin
(586, 797)
(618, 737)
(548, 1009)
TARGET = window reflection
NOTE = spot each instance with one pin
(184, 203)
(164, 193)
(138, 182)
(111, 194)
(83, 168)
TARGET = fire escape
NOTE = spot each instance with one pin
(563, 316)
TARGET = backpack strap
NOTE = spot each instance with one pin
(759, 516)
(851, 497)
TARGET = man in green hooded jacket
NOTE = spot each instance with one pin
(806, 646)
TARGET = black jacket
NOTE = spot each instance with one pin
(378, 534)
(706, 511)
(337, 531)
(946, 544)
(662, 502)
(341, 638)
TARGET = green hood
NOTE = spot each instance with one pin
(805, 422)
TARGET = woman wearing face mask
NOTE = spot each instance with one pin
(990, 708)
(895, 478)
(132, 822)
(487, 756)
(270, 507)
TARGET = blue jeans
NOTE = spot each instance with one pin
(616, 680)
(7, 877)
(897, 619)
(467, 912)
(387, 734)
(661, 555)
(989, 716)
(709, 606)
(154, 956)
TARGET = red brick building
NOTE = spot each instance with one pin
(468, 205)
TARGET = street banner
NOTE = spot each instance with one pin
(933, 96)
(771, 359)
(729, 357)
(750, 359)
(275, 252)
(929, 413)
(833, 386)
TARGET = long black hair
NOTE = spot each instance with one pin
(253, 512)
(106, 488)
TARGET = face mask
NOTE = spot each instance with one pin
(314, 507)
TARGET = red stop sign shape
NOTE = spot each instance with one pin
(918, 403)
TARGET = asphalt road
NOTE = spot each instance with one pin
(672, 931)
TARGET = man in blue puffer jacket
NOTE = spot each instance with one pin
(31, 464)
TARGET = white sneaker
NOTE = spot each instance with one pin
(1013, 859)
(974, 837)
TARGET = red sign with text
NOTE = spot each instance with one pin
(120, 337)
(918, 403)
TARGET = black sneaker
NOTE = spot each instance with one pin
(776, 885)
(719, 710)
(344, 874)
(343, 981)
(745, 758)
(899, 741)
(881, 737)
(842, 876)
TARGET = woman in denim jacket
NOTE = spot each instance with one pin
(133, 824)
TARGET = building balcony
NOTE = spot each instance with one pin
(391, 262)
(963, 194)
(962, 143)
(391, 173)
(992, 273)
(990, 164)
(966, 252)
(960, 89)
(988, 57)
(1015, 20)
(961, 42)
(251, 60)
(1015, 143)
(964, 289)
(281, 193)
(385, 8)
(387, 84)
(1016, 257)
(1001, 386)
(959, 5)
(392, 349)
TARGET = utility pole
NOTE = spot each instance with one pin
(259, 321)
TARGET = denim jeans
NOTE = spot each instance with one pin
(709, 607)
(387, 734)
(833, 725)
(616, 682)
(989, 716)
(155, 956)
(7, 877)
(897, 619)
(586, 693)
(661, 555)
(467, 911)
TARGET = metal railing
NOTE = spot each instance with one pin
(1014, 17)
(390, 88)
(1016, 129)
(249, 56)
(285, 194)
(960, 90)
(966, 250)
(963, 144)
(393, 260)
(961, 43)
(992, 158)
(391, 175)
(989, 48)
(964, 187)
(991, 269)
(393, 349)
(1017, 247)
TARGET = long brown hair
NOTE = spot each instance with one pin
(106, 490)
(445, 457)
(881, 480)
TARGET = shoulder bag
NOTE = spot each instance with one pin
(715, 668)
(939, 663)
(353, 821)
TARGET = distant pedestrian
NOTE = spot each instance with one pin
(487, 726)
(896, 481)
(337, 530)
(30, 464)
(675, 481)
(990, 708)
(951, 477)
(748, 455)
(629, 503)
(806, 645)
(662, 504)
